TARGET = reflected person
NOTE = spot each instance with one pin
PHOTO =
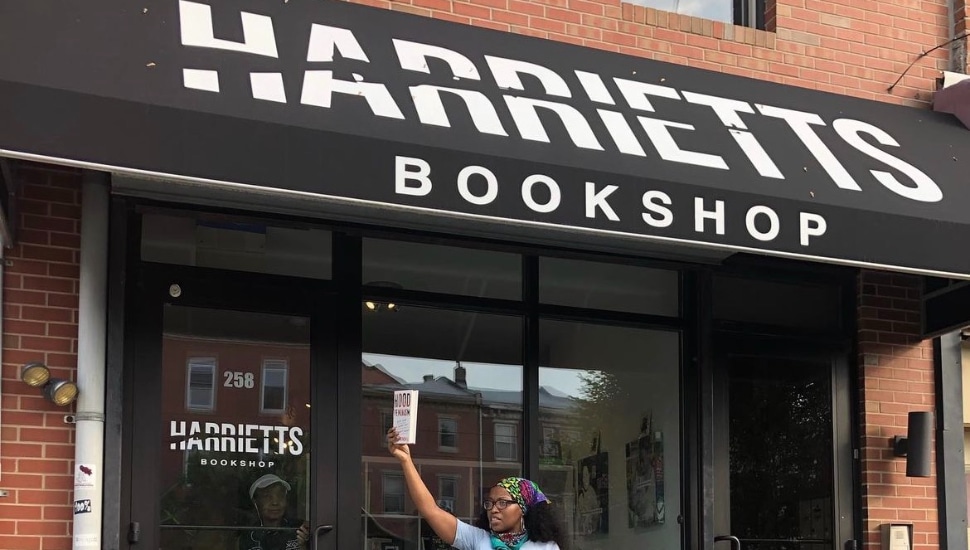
(516, 515)
(268, 496)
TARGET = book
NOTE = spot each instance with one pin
(406, 415)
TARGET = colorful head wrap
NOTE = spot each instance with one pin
(525, 493)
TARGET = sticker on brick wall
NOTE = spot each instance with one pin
(85, 475)
(82, 506)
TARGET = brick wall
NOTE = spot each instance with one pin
(896, 377)
(851, 47)
(39, 323)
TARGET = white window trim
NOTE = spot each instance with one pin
(443, 417)
(274, 364)
(515, 441)
(195, 362)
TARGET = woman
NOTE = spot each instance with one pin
(516, 515)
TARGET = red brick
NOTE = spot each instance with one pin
(16, 542)
(42, 528)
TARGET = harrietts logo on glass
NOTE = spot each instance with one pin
(625, 116)
(236, 438)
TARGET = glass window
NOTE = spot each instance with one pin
(772, 303)
(615, 287)
(715, 10)
(609, 406)
(447, 492)
(467, 370)
(201, 394)
(387, 421)
(445, 269)
(235, 472)
(505, 442)
(447, 433)
(393, 494)
(274, 385)
(236, 243)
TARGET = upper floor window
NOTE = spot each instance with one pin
(387, 420)
(447, 433)
(393, 494)
(748, 13)
(273, 392)
(447, 492)
(200, 391)
(505, 442)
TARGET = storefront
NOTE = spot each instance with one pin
(641, 284)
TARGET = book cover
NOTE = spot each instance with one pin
(406, 415)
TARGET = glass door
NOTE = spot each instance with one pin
(782, 449)
(231, 383)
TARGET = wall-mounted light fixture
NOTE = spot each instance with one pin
(917, 445)
(56, 390)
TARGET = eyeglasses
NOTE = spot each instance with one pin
(501, 504)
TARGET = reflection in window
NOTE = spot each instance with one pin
(387, 421)
(447, 492)
(505, 442)
(616, 287)
(715, 10)
(467, 370)
(609, 410)
(201, 393)
(274, 386)
(393, 494)
(447, 433)
(216, 468)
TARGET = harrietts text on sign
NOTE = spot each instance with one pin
(389, 117)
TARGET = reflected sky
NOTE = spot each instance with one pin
(717, 10)
(479, 375)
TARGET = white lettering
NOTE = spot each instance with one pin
(597, 199)
(413, 56)
(431, 110)
(295, 434)
(555, 195)
(506, 74)
(650, 200)
(700, 215)
(658, 132)
(801, 123)
(491, 185)
(751, 218)
(195, 20)
(810, 225)
(727, 110)
(636, 92)
(594, 87)
(926, 189)
(319, 87)
(324, 40)
(624, 138)
(402, 175)
(527, 121)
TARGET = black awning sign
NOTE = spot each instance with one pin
(359, 105)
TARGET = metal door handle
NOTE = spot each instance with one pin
(316, 534)
(735, 541)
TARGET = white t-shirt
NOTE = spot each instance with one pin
(469, 537)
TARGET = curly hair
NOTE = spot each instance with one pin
(543, 522)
